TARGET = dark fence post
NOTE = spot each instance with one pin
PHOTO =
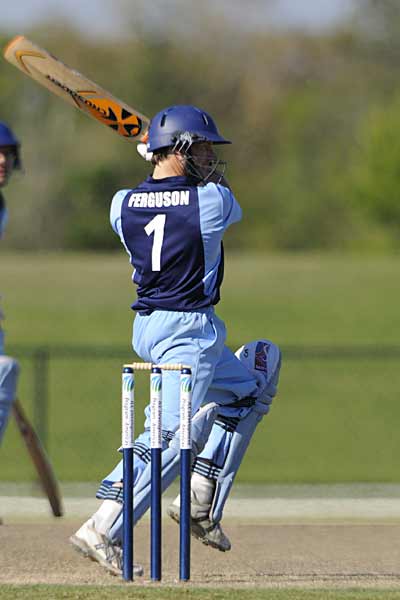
(41, 359)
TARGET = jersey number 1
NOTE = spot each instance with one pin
(156, 226)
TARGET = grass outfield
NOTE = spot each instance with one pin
(293, 299)
(334, 420)
(43, 592)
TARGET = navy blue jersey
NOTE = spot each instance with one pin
(172, 229)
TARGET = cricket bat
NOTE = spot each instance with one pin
(39, 458)
(75, 89)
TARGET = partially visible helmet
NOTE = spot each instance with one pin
(7, 138)
(181, 126)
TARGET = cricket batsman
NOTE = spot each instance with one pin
(9, 160)
(172, 226)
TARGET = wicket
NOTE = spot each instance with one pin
(128, 434)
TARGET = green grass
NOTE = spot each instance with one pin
(334, 420)
(294, 299)
(45, 592)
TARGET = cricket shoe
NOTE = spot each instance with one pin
(201, 527)
(92, 544)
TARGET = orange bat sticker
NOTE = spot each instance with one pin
(111, 114)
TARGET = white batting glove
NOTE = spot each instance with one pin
(144, 153)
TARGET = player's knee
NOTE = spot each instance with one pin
(263, 359)
(274, 361)
(9, 367)
(14, 367)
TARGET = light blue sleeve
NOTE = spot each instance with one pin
(115, 211)
(115, 220)
(231, 211)
(218, 210)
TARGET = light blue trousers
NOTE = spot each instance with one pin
(8, 384)
(196, 339)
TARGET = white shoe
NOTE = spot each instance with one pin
(92, 544)
(201, 528)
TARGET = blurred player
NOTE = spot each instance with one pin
(172, 227)
(9, 160)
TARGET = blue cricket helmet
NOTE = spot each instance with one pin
(7, 138)
(170, 124)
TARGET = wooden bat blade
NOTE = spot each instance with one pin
(40, 459)
(74, 88)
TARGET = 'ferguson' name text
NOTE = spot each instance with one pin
(159, 199)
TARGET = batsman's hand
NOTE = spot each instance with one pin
(143, 151)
